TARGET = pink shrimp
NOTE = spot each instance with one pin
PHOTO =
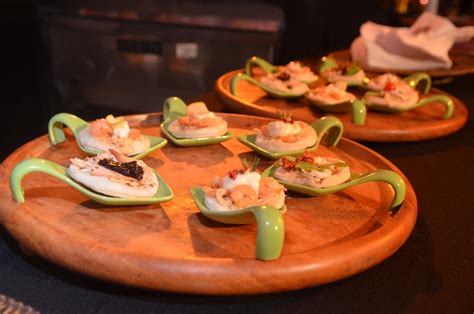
(243, 196)
(100, 128)
(269, 187)
(190, 121)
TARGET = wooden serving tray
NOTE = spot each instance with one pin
(419, 124)
(172, 247)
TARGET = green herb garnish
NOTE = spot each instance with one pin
(353, 69)
(306, 166)
(246, 164)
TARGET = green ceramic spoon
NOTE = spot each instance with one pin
(270, 224)
(270, 91)
(435, 98)
(330, 125)
(175, 107)
(267, 67)
(76, 124)
(419, 80)
(330, 63)
(27, 166)
(356, 107)
(390, 177)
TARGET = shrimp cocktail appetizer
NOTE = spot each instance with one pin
(243, 196)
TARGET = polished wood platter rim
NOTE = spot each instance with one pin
(415, 125)
(128, 245)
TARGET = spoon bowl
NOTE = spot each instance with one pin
(387, 176)
(329, 125)
(27, 166)
(76, 125)
(175, 107)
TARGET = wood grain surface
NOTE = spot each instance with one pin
(419, 124)
(463, 63)
(172, 247)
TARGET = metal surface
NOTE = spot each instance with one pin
(107, 59)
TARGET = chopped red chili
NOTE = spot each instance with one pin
(389, 86)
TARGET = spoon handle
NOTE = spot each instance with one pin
(56, 123)
(270, 232)
(438, 98)
(420, 77)
(359, 112)
(330, 125)
(256, 61)
(239, 77)
(173, 108)
(327, 63)
(34, 165)
(387, 176)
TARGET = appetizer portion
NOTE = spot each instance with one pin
(330, 94)
(352, 75)
(113, 133)
(198, 122)
(299, 72)
(285, 136)
(316, 172)
(392, 92)
(241, 189)
(381, 82)
(284, 82)
(114, 174)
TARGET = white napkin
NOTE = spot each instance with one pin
(423, 46)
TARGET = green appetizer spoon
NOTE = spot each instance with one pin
(419, 80)
(390, 177)
(27, 166)
(267, 67)
(330, 125)
(76, 124)
(271, 91)
(328, 63)
(435, 98)
(356, 107)
(270, 224)
(175, 107)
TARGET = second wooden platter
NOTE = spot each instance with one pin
(419, 124)
(172, 247)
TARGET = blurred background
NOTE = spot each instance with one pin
(92, 58)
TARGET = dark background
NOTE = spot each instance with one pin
(29, 95)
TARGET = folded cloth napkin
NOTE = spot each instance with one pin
(423, 46)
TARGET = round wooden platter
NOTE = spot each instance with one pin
(419, 124)
(463, 63)
(172, 247)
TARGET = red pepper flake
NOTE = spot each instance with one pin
(287, 164)
(306, 157)
(389, 86)
(233, 174)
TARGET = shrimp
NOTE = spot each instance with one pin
(243, 196)
(197, 108)
(269, 187)
(270, 192)
(134, 134)
(191, 121)
(100, 128)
